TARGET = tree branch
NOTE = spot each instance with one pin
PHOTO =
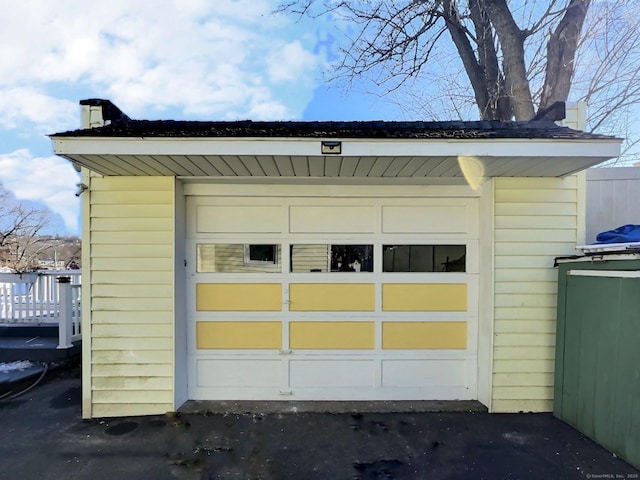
(561, 52)
(474, 71)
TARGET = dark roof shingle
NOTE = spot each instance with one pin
(120, 125)
(333, 129)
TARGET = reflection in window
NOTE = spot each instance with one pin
(424, 258)
(237, 258)
(261, 254)
(310, 258)
(331, 258)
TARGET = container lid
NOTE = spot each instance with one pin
(609, 247)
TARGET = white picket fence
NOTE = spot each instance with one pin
(43, 297)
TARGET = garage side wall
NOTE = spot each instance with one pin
(536, 219)
(131, 293)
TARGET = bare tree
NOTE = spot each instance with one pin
(608, 71)
(21, 232)
(517, 58)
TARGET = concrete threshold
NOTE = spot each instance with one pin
(382, 406)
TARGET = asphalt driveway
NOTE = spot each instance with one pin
(43, 437)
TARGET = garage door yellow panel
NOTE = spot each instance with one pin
(214, 335)
(424, 335)
(332, 297)
(424, 297)
(242, 297)
(332, 335)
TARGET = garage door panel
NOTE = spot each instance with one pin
(332, 297)
(421, 373)
(331, 219)
(335, 335)
(331, 373)
(424, 335)
(238, 335)
(239, 219)
(238, 373)
(424, 297)
(425, 219)
(240, 297)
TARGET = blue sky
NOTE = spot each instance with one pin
(159, 59)
(174, 59)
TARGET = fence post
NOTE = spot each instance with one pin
(65, 320)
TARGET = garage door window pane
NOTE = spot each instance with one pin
(261, 254)
(238, 258)
(424, 258)
(331, 258)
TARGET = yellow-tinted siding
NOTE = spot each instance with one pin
(244, 297)
(133, 370)
(133, 344)
(332, 297)
(131, 229)
(424, 297)
(332, 335)
(212, 335)
(536, 219)
(424, 335)
(116, 409)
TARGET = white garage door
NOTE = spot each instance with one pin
(332, 298)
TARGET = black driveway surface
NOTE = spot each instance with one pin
(44, 437)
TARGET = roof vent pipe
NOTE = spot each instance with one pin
(576, 116)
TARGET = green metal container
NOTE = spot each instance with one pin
(597, 370)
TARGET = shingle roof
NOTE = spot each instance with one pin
(334, 129)
(120, 125)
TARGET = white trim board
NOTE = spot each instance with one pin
(605, 273)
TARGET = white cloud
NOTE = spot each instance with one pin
(291, 62)
(198, 56)
(228, 59)
(50, 180)
(47, 113)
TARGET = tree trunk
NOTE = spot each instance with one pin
(561, 52)
(512, 44)
(471, 66)
(488, 59)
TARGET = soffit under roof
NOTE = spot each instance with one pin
(368, 150)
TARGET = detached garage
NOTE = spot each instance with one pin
(323, 260)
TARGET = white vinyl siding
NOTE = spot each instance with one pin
(536, 219)
(132, 340)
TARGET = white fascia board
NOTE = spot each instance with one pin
(589, 148)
